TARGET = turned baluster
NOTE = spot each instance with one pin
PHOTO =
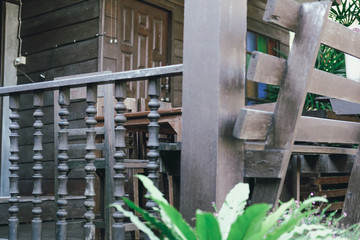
(14, 167)
(153, 141)
(61, 224)
(119, 156)
(90, 157)
(37, 168)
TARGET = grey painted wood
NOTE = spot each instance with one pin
(109, 136)
(352, 196)
(90, 169)
(284, 13)
(119, 167)
(293, 90)
(254, 124)
(153, 141)
(38, 167)
(269, 69)
(213, 94)
(304, 149)
(14, 168)
(62, 168)
(99, 78)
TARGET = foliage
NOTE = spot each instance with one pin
(345, 13)
(290, 221)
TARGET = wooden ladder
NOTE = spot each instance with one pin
(271, 131)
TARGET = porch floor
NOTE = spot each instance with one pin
(49, 231)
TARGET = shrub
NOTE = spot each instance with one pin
(290, 221)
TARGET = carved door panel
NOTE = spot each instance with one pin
(143, 40)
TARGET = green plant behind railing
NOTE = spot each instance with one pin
(234, 221)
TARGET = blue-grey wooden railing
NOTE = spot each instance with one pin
(63, 86)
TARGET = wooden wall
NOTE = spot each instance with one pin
(59, 38)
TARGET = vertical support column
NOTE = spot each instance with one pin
(37, 168)
(153, 141)
(14, 167)
(90, 157)
(63, 169)
(213, 94)
(119, 156)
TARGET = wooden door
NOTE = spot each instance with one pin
(143, 40)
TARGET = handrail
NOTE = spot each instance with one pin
(101, 78)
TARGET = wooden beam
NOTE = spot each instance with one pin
(100, 78)
(254, 125)
(311, 22)
(304, 149)
(352, 197)
(214, 93)
(283, 13)
(336, 35)
(268, 69)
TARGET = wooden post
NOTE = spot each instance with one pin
(63, 169)
(153, 141)
(213, 94)
(119, 156)
(90, 169)
(38, 167)
(14, 104)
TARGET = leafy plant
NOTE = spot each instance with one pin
(232, 222)
(345, 13)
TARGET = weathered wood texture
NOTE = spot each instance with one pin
(254, 125)
(282, 131)
(216, 83)
(269, 69)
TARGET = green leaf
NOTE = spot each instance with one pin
(155, 195)
(272, 219)
(232, 207)
(134, 219)
(249, 225)
(153, 221)
(154, 192)
(180, 225)
(207, 227)
(169, 215)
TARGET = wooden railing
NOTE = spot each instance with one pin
(273, 132)
(63, 87)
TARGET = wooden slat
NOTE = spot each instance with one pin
(333, 206)
(268, 69)
(284, 13)
(304, 149)
(99, 78)
(325, 163)
(253, 125)
(332, 193)
(341, 38)
(332, 180)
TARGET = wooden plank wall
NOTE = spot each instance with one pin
(60, 38)
(111, 57)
